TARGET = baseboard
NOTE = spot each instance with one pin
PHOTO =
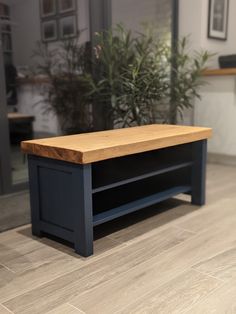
(221, 159)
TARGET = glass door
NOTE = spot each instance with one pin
(13, 126)
(5, 166)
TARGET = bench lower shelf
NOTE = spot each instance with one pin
(138, 204)
(114, 213)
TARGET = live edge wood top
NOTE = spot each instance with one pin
(96, 146)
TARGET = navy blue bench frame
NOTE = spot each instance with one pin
(68, 200)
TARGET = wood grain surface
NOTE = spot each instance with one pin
(96, 146)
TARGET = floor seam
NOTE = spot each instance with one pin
(75, 307)
(184, 229)
(208, 275)
(7, 268)
(6, 308)
(115, 240)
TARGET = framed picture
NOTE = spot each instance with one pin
(218, 19)
(49, 31)
(48, 8)
(66, 6)
(68, 27)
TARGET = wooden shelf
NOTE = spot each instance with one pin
(113, 173)
(142, 177)
(138, 204)
(219, 72)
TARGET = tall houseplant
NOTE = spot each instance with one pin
(130, 76)
(141, 81)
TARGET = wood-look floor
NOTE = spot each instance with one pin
(171, 258)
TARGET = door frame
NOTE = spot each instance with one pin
(6, 182)
(5, 163)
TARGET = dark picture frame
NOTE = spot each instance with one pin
(218, 19)
(48, 8)
(66, 6)
(49, 30)
(68, 27)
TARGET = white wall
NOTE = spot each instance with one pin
(26, 14)
(193, 21)
(217, 109)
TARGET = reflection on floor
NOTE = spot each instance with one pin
(171, 258)
(19, 165)
(14, 211)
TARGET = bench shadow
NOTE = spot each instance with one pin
(163, 213)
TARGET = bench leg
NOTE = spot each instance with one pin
(34, 200)
(199, 172)
(84, 214)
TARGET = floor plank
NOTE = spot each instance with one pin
(158, 270)
(207, 215)
(222, 266)
(31, 254)
(93, 275)
(6, 276)
(176, 296)
(65, 309)
(4, 310)
(65, 263)
(221, 301)
(11, 214)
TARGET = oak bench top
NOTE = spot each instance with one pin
(96, 146)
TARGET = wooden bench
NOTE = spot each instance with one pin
(81, 181)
